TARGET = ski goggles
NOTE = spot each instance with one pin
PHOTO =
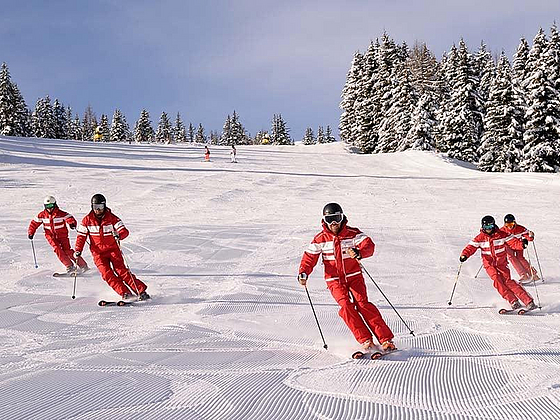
(50, 206)
(333, 218)
(489, 226)
(510, 224)
(98, 206)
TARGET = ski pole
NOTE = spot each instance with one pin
(381, 291)
(74, 287)
(533, 278)
(34, 257)
(316, 320)
(476, 275)
(538, 262)
(455, 285)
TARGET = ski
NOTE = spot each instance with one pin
(521, 311)
(373, 355)
(114, 303)
(504, 311)
(524, 311)
(64, 274)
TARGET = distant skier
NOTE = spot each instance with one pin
(54, 221)
(493, 242)
(233, 154)
(206, 154)
(516, 258)
(105, 230)
(340, 246)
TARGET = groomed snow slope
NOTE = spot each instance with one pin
(229, 333)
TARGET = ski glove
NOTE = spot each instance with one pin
(525, 242)
(30, 236)
(354, 253)
(302, 278)
(72, 226)
(77, 254)
(463, 258)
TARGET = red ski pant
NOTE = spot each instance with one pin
(61, 247)
(361, 316)
(519, 262)
(509, 289)
(113, 270)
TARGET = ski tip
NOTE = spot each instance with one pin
(376, 355)
(502, 311)
(102, 303)
(358, 355)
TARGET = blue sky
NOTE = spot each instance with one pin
(207, 58)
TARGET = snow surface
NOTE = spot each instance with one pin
(229, 333)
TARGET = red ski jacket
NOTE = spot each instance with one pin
(339, 266)
(492, 247)
(54, 224)
(100, 232)
(519, 232)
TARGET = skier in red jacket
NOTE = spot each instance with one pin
(526, 273)
(493, 242)
(105, 230)
(340, 247)
(54, 221)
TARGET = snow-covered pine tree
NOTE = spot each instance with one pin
(461, 121)
(423, 66)
(200, 135)
(542, 117)
(214, 137)
(536, 53)
(68, 118)
(308, 137)
(519, 68)
(423, 123)
(397, 121)
(279, 133)
(349, 96)
(120, 131)
(320, 135)
(75, 129)
(164, 132)
(23, 115)
(233, 132)
(502, 142)
(143, 130)
(484, 70)
(226, 132)
(8, 107)
(329, 138)
(43, 119)
(59, 115)
(552, 59)
(179, 130)
(368, 106)
(89, 124)
(104, 128)
(191, 133)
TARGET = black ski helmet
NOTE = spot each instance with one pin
(98, 199)
(332, 208)
(509, 218)
(488, 222)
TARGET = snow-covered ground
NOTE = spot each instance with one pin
(229, 333)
